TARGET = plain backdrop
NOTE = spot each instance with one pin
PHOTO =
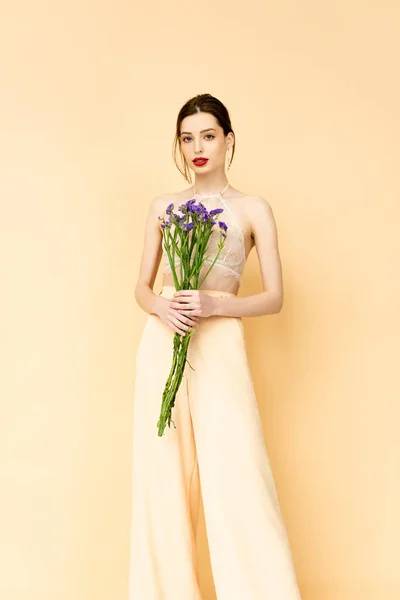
(90, 92)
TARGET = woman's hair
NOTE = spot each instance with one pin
(201, 103)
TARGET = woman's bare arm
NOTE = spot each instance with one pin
(150, 260)
(266, 241)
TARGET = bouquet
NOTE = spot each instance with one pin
(186, 236)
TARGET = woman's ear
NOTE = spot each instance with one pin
(230, 140)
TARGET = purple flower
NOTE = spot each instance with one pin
(188, 226)
(198, 208)
(216, 211)
(187, 206)
(174, 218)
(222, 225)
(169, 209)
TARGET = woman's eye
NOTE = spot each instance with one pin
(208, 135)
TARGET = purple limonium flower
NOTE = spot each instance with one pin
(169, 209)
(199, 208)
(186, 207)
(174, 218)
(216, 211)
(177, 218)
(222, 225)
(188, 226)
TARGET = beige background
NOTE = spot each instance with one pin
(90, 92)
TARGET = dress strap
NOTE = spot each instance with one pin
(218, 195)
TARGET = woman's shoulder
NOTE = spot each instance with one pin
(246, 202)
(180, 196)
(162, 201)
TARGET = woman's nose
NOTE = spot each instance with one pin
(197, 145)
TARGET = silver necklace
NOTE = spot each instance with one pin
(218, 195)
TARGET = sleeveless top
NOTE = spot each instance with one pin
(231, 261)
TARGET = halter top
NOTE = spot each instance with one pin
(232, 258)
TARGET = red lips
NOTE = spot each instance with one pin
(200, 161)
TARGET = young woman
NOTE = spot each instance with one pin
(217, 441)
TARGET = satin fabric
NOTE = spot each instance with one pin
(217, 448)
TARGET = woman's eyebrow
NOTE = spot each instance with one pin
(202, 131)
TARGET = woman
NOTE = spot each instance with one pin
(217, 439)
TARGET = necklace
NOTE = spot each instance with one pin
(211, 195)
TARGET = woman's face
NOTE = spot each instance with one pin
(202, 136)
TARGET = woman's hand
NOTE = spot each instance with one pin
(174, 318)
(193, 303)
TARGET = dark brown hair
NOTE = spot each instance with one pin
(201, 103)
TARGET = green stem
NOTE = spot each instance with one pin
(172, 265)
(213, 263)
(170, 395)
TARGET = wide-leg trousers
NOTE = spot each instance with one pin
(217, 446)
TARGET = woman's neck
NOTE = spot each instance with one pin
(209, 185)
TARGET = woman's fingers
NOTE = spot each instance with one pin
(183, 305)
(193, 314)
(188, 319)
(182, 324)
(185, 323)
(175, 326)
(187, 309)
(180, 327)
